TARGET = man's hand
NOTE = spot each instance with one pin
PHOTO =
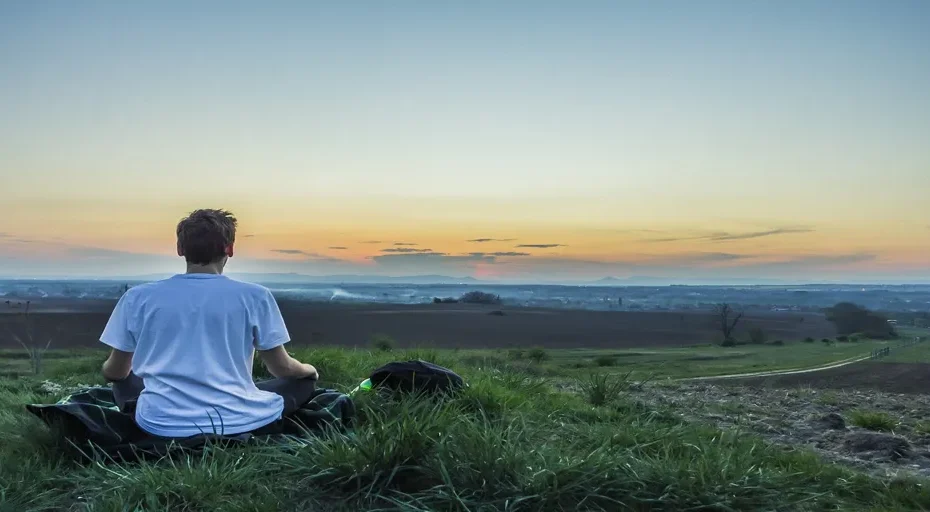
(282, 365)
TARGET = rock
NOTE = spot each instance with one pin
(832, 421)
(891, 446)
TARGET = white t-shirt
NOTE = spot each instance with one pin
(193, 338)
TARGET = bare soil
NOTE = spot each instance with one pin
(819, 419)
(79, 324)
(904, 378)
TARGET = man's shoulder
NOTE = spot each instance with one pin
(253, 289)
(141, 289)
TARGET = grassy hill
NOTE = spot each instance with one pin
(512, 441)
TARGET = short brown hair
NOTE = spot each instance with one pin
(204, 235)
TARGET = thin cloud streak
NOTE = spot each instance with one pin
(502, 254)
(406, 250)
(724, 236)
(486, 240)
(540, 246)
(313, 256)
(760, 234)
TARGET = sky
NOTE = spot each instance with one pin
(514, 141)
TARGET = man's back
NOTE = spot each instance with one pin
(193, 338)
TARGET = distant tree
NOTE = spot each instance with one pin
(727, 319)
(851, 318)
(757, 336)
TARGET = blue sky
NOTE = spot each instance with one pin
(584, 125)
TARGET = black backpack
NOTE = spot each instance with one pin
(416, 376)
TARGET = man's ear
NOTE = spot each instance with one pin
(180, 251)
(230, 250)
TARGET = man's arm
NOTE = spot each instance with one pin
(283, 366)
(118, 335)
(117, 366)
(270, 335)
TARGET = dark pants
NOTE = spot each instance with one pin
(296, 393)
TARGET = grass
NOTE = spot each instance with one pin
(604, 388)
(872, 420)
(510, 442)
(706, 360)
(915, 353)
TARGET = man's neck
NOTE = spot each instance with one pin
(212, 268)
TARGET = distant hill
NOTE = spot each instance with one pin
(353, 279)
(632, 281)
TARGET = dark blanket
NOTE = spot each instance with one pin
(95, 426)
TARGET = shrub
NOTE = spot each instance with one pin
(808, 340)
(603, 388)
(538, 355)
(477, 297)
(826, 341)
(515, 354)
(871, 420)
(842, 339)
(605, 360)
(382, 342)
(729, 342)
(778, 343)
(757, 336)
(437, 300)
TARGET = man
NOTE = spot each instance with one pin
(183, 347)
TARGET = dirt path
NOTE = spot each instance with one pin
(773, 373)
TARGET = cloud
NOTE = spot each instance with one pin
(540, 246)
(499, 254)
(338, 248)
(419, 259)
(404, 243)
(5, 235)
(709, 257)
(314, 256)
(98, 252)
(758, 234)
(823, 260)
(372, 242)
(724, 236)
(407, 250)
(485, 240)
(247, 236)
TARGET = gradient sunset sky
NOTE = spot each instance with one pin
(533, 141)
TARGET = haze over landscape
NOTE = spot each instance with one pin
(518, 141)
